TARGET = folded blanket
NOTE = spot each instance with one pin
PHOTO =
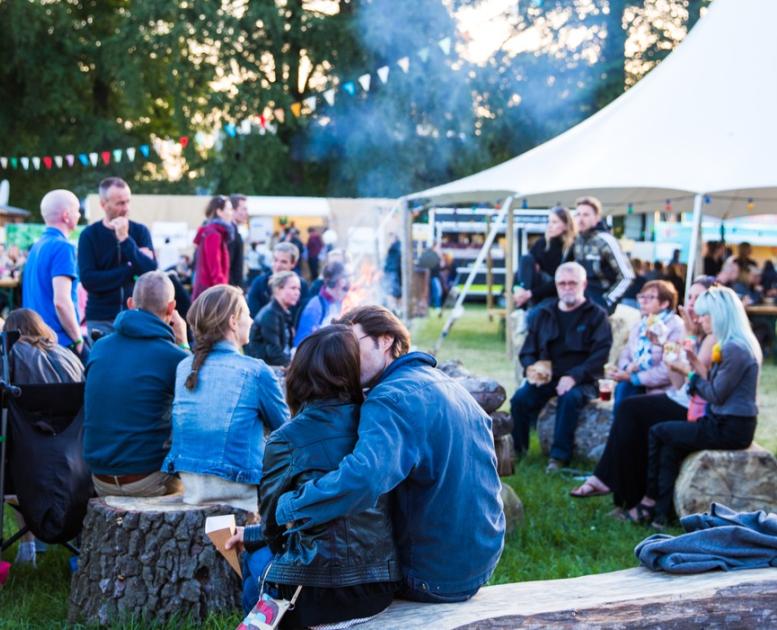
(721, 539)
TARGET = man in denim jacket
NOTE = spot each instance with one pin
(423, 438)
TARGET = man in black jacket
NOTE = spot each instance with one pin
(567, 345)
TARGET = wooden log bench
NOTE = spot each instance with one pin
(634, 598)
(149, 558)
(744, 480)
(593, 428)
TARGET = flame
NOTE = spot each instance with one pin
(365, 286)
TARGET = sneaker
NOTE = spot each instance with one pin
(26, 553)
(554, 466)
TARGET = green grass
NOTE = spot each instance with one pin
(560, 537)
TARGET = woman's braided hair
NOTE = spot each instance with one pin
(209, 318)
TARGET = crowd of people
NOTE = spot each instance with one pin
(271, 398)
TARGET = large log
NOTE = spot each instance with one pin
(513, 508)
(634, 598)
(489, 394)
(502, 427)
(593, 428)
(150, 559)
(745, 481)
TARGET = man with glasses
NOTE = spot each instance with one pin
(567, 345)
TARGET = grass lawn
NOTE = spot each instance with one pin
(560, 537)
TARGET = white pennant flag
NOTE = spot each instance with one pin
(245, 127)
(404, 63)
(25, 163)
(310, 103)
(130, 153)
(58, 161)
(329, 97)
(423, 54)
(383, 74)
(93, 158)
(36, 163)
(364, 81)
(4, 162)
(445, 45)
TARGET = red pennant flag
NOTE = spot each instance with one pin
(47, 161)
(106, 156)
(262, 121)
(184, 140)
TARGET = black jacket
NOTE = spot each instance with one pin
(357, 549)
(592, 337)
(235, 248)
(548, 260)
(272, 334)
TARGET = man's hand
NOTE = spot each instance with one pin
(236, 540)
(565, 383)
(521, 296)
(120, 225)
(179, 328)
(146, 252)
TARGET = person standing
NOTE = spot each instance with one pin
(314, 246)
(272, 334)
(327, 305)
(213, 241)
(607, 268)
(236, 245)
(284, 258)
(50, 280)
(112, 253)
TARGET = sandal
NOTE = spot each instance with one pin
(587, 490)
(645, 514)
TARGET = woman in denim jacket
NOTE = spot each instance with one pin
(223, 403)
(348, 567)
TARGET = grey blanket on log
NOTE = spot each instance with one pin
(721, 539)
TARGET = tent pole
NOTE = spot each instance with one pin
(407, 258)
(695, 246)
(509, 271)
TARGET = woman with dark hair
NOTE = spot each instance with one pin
(535, 275)
(348, 567)
(272, 333)
(212, 241)
(223, 403)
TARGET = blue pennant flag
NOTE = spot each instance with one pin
(231, 129)
(350, 87)
(144, 149)
(84, 159)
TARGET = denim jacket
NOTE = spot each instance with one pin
(218, 428)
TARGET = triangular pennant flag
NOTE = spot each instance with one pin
(48, 162)
(245, 127)
(262, 121)
(296, 109)
(280, 115)
(231, 129)
(364, 81)
(310, 103)
(145, 150)
(200, 139)
(329, 97)
(117, 155)
(58, 161)
(93, 157)
(36, 163)
(404, 63)
(25, 163)
(14, 163)
(423, 54)
(70, 159)
(4, 162)
(131, 154)
(184, 141)
(106, 156)
(383, 74)
(350, 87)
(82, 157)
(445, 45)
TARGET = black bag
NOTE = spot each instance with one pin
(52, 481)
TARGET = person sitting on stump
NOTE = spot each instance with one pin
(566, 347)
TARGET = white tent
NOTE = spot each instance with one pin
(700, 125)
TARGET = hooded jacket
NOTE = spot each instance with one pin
(608, 271)
(212, 266)
(128, 400)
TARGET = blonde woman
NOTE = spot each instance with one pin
(223, 403)
(535, 276)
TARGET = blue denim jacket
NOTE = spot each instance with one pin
(423, 438)
(218, 428)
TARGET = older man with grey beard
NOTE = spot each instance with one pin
(573, 336)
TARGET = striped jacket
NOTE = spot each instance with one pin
(607, 268)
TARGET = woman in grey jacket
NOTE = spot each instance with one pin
(730, 391)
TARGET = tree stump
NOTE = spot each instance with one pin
(149, 558)
(744, 480)
(502, 428)
(593, 428)
(488, 393)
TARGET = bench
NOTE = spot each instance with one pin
(621, 599)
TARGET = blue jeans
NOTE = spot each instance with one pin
(435, 293)
(625, 389)
(253, 564)
(415, 595)
(528, 401)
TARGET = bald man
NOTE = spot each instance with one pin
(50, 278)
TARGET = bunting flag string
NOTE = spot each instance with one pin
(92, 158)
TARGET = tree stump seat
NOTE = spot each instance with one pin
(593, 428)
(744, 480)
(621, 599)
(149, 558)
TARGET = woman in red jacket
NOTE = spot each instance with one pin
(212, 240)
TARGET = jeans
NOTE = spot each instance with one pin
(416, 595)
(625, 389)
(528, 401)
(435, 293)
(253, 565)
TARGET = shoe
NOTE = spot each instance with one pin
(645, 514)
(554, 466)
(25, 554)
(587, 490)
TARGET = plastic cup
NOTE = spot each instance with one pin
(606, 386)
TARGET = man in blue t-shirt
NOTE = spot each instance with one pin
(50, 278)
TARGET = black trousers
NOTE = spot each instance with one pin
(670, 442)
(623, 465)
